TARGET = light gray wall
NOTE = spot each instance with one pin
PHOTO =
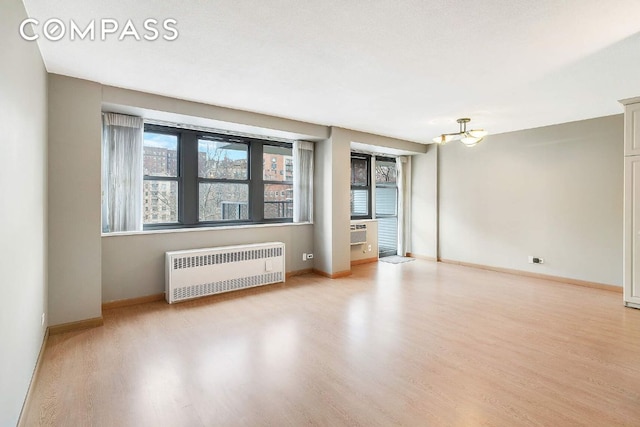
(332, 203)
(109, 272)
(332, 194)
(424, 200)
(341, 199)
(133, 265)
(194, 113)
(555, 192)
(332, 214)
(322, 206)
(82, 276)
(23, 121)
(74, 199)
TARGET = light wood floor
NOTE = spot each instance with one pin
(418, 344)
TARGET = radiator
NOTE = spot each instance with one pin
(199, 272)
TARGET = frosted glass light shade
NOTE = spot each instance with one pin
(443, 139)
(470, 141)
(478, 133)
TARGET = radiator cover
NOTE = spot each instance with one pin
(199, 272)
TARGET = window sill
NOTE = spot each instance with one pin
(204, 229)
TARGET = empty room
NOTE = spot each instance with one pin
(284, 213)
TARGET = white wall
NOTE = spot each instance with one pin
(554, 192)
(133, 265)
(23, 120)
(424, 200)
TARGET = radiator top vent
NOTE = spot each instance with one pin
(224, 258)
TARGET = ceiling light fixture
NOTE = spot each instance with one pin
(467, 137)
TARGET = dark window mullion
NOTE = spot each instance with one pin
(160, 178)
(256, 185)
(189, 201)
(278, 182)
(222, 181)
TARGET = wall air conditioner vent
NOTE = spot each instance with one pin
(358, 234)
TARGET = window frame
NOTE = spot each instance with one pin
(380, 216)
(387, 185)
(366, 187)
(267, 182)
(200, 180)
(189, 179)
(177, 178)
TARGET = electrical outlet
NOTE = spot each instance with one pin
(369, 248)
(42, 320)
(304, 257)
(309, 256)
(535, 260)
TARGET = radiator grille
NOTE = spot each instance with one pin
(225, 286)
(199, 272)
(358, 234)
(224, 258)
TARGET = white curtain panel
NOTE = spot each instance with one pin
(302, 181)
(403, 166)
(122, 169)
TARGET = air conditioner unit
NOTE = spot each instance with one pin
(358, 234)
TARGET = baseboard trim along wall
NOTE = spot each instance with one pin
(34, 378)
(364, 261)
(587, 284)
(337, 275)
(132, 301)
(298, 272)
(160, 297)
(76, 326)
(418, 256)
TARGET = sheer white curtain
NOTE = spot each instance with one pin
(122, 169)
(302, 181)
(403, 165)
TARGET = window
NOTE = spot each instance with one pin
(386, 205)
(194, 178)
(278, 187)
(223, 172)
(161, 179)
(360, 186)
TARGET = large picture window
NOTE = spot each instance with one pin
(194, 178)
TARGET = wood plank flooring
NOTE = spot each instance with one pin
(416, 344)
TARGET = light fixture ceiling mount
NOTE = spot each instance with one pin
(467, 137)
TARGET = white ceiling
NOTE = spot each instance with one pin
(400, 68)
